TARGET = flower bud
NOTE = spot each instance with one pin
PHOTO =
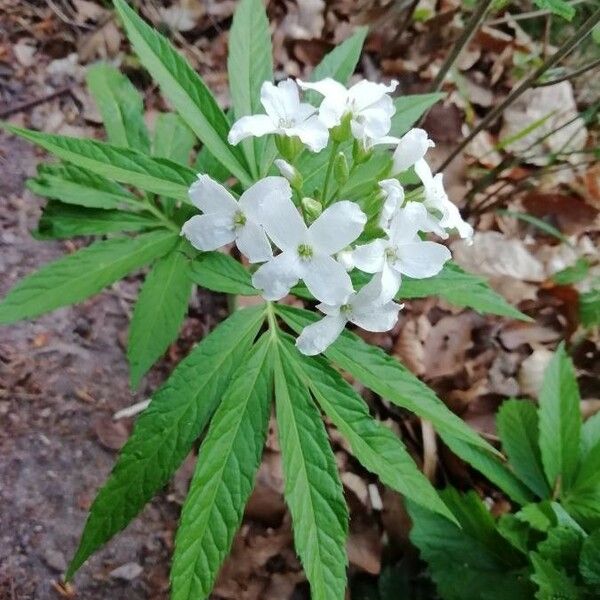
(342, 132)
(311, 208)
(340, 169)
(289, 172)
(289, 147)
(360, 154)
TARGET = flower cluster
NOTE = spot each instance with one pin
(321, 241)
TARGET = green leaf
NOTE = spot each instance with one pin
(313, 491)
(573, 274)
(589, 308)
(159, 312)
(156, 175)
(560, 421)
(165, 431)
(206, 163)
(82, 274)
(249, 64)
(517, 423)
(539, 223)
(409, 110)
(221, 273)
(185, 90)
(589, 565)
(552, 582)
(388, 378)
(590, 435)
(173, 139)
(557, 7)
(74, 185)
(562, 547)
(224, 477)
(120, 105)
(60, 220)
(374, 445)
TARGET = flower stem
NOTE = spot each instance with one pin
(271, 320)
(332, 156)
(160, 216)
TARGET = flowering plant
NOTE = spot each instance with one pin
(304, 185)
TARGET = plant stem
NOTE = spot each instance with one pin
(528, 15)
(271, 320)
(160, 216)
(332, 156)
(528, 82)
(572, 74)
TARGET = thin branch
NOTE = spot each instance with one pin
(528, 15)
(11, 110)
(574, 73)
(518, 91)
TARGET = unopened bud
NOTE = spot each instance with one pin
(311, 208)
(289, 147)
(340, 169)
(342, 132)
(360, 154)
(289, 172)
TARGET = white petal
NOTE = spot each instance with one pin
(253, 125)
(288, 171)
(407, 222)
(282, 222)
(375, 121)
(209, 232)
(264, 193)
(394, 197)
(366, 93)
(453, 220)
(211, 197)
(326, 279)
(252, 242)
(328, 87)
(370, 257)
(317, 337)
(389, 281)
(312, 132)
(412, 148)
(345, 259)
(276, 277)
(332, 310)
(337, 227)
(331, 112)
(281, 101)
(421, 259)
(376, 317)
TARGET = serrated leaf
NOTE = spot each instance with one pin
(374, 445)
(206, 163)
(173, 139)
(562, 547)
(120, 105)
(388, 378)
(165, 431)
(589, 565)
(249, 65)
(552, 582)
(409, 110)
(313, 491)
(82, 274)
(557, 7)
(157, 175)
(224, 477)
(184, 88)
(159, 312)
(78, 186)
(60, 220)
(221, 273)
(517, 423)
(560, 421)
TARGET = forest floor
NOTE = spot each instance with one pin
(64, 376)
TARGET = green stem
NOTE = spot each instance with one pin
(160, 216)
(273, 329)
(332, 156)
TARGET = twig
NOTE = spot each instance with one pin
(518, 91)
(575, 73)
(405, 22)
(528, 15)
(131, 411)
(11, 110)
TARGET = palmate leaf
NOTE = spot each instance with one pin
(120, 105)
(173, 139)
(156, 175)
(557, 7)
(249, 65)
(560, 421)
(221, 273)
(185, 90)
(552, 581)
(224, 477)
(81, 187)
(373, 444)
(313, 491)
(517, 423)
(60, 221)
(409, 110)
(166, 430)
(159, 312)
(83, 274)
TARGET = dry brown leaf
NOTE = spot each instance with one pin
(531, 373)
(304, 20)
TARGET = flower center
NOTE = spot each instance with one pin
(391, 254)
(239, 219)
(305, 252)
(346, 309)
(286, 122)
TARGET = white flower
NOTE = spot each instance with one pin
(393, 194)
(362, 309)
(307, 251)
(286, 115)
(285, 169)
(412, 147)
(436, 199)
(226, 220)
(402, 252)
(368, 103)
